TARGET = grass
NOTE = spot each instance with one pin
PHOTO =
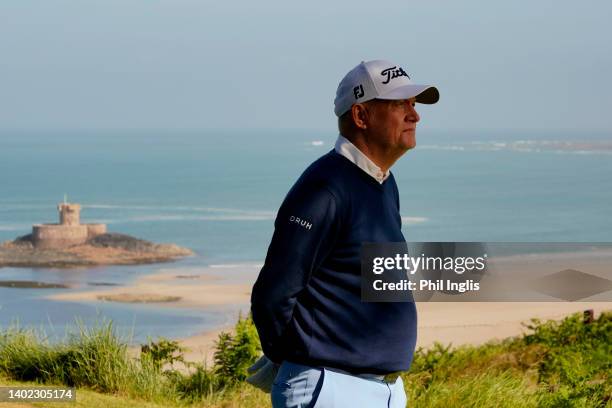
(557, 364)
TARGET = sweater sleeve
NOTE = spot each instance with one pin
(304, 232)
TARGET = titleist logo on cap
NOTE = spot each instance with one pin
(393, 72)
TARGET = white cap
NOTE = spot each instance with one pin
(379, 79)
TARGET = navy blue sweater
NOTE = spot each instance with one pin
(306, 302)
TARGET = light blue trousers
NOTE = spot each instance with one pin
(300, 386)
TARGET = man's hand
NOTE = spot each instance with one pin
(263, 373)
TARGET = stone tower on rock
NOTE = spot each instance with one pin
(68, 232)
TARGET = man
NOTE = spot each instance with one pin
(334, 349)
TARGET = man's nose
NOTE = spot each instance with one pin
(412, 114)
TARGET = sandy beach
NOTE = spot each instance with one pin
(448, 323)
(227, 288)
(223, 287)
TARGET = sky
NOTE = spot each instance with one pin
(187, 64)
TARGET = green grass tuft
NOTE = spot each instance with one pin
(558, 364)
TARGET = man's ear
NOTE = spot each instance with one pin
(359, 113)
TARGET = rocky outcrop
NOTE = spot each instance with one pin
(104, 249)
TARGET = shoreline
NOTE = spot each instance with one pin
(225, 288)
(228, 288)
(452, 328)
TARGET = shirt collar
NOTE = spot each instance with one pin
(345, 148)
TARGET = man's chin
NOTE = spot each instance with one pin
(410, 144)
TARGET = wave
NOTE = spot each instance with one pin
(239, 216)
(161, 214)
(235, 211)
(120, 207)
(218, 214)
(246, 217)
(19, 206)
(240, 265)
(16, 227)
(178, 217)
(441, 147)
(529, 146)
(180, 208)
(414, 220)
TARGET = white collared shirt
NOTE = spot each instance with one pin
(351, 152)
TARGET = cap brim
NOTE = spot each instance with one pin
(424, 93)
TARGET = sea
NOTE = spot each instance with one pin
(217, 193)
